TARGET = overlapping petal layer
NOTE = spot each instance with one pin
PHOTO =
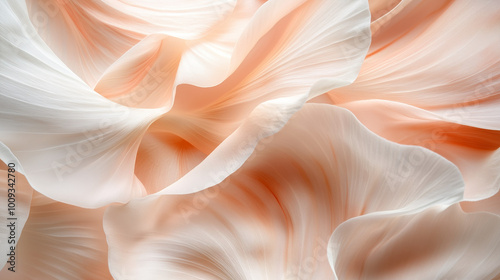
(272, 218)
(439, 243)
(60, 241)
(90, 35)
(475, 151)
(305, 49)
(71, 143)
(441, 57)
(437, 55)
(490, 204)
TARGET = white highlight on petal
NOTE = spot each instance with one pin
(72, 144)
(438, 243)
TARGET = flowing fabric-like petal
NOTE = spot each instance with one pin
(72, 144)
(439, 243)
(60, 241)
(289, 52)
(90, 35)
(475, 151)
(148, 74)
(446, 61)
(272, 218)
(207, 60)
(264, 121)
(288, 48)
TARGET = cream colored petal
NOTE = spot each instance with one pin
(89, 36)
(475, 151)
(439, 243)
(447, 62)
(206, 62)
(273, 217)
(72, 144)
(60, 241)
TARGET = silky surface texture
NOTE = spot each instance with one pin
(250, 139)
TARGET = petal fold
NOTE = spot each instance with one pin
(446, 61)
(475, 151)
(280, 207)
(72, 144)
(438, 243)
(89, 36)
(289, 51)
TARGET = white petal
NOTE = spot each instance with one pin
(144, 76)
(72, 144)
(439, 243)
(207, 60)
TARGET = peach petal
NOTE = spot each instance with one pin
(445, 62)
(475, 151)
(272, 218)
